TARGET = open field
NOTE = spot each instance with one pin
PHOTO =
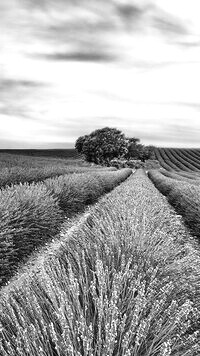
(18, 168)
(125, 281)
(179, 159)
(68, 153)
(31, 214)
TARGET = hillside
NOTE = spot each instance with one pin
(179, 159)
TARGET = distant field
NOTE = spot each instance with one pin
(20, 166)
(59, 153)
(179, 159)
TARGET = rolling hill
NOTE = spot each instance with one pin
(179, 159)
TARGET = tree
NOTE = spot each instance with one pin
(79, 143)
(102, 145)
(147, 152)
(132, 148)
(138, 151)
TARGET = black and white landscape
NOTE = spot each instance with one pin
(99, 178)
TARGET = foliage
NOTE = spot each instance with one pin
(126, 282)
(134, 164)
(184, 194)
(138, 151)
(151, 164)
(20, 169)
(132, 147)
(80, 142)
(29, 216)
(147, 153)
(106, 144)
(75, 191)
(32, 214)
(102, 145)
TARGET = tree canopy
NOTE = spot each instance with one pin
(103, 145)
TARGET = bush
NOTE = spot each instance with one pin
(152, 164)
(77, 190)
(183, 195)
(16, 175)
(29, 216)
(32, 214)
(134, 164)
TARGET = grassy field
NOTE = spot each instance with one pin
(179, 159)
(21, 168)
(125, 281)
(31, 214)
(69, 153)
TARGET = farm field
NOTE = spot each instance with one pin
(183, 193)
(69, 153)
(31, 214)
(178, 159)
(125, 281)
(19, 168)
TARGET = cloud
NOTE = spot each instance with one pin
(7, 84)
(15, 95)
(181, 133)
(7, 143)
(130, 44)
(13, 144)
(129, 11)
(81, 56)
(80, 30)
(92, 33)
(130, 14)
(168, 25)
(109, 95)
(189, 44)
(171, 135)
(195, 106)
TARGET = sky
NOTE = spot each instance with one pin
(68, 67)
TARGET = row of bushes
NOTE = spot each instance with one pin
(183, 195)
(124, 283)
(190, 177)
(32, 214)
(164, 161)
(16, 175)
(26, 160)
(134, 164)
(187, 158)
(177, 159)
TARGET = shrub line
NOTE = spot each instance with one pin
(183, 194)
(32, 214)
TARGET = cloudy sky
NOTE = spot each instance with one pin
(68, 67)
